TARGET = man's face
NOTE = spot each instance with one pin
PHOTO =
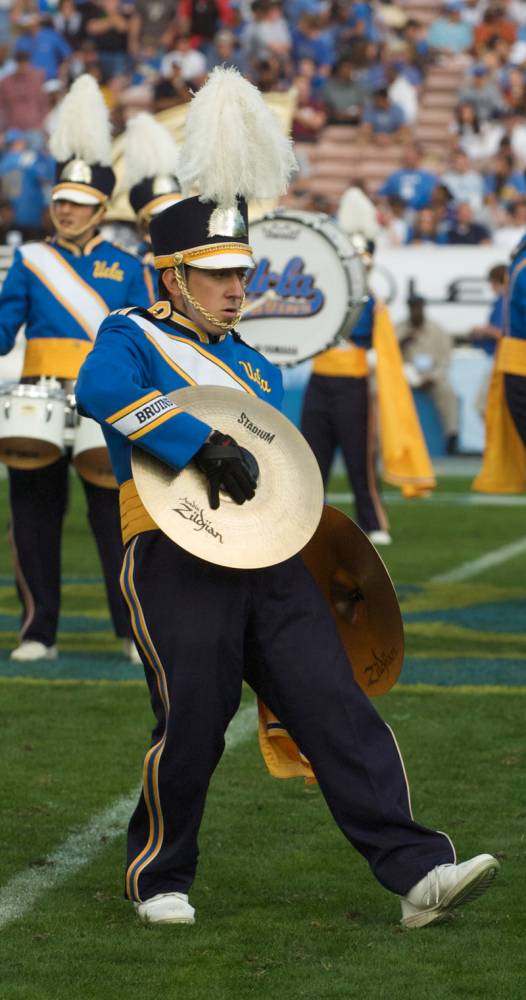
(219, 292)
(72, 217)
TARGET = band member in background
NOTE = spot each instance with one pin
(151, 159)
(339, 410)
(504, 462)
(202, 628)
(62, 289)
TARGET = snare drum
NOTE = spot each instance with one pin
(31, 425)
(307, 290)
(91, 457)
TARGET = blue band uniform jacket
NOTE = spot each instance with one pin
(63, 294)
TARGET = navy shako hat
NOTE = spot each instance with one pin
(83, 183)
(154, 194)
(201, 234)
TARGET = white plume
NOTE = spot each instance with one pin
(83, 125)
(149, 149)
(357, 213)
(233, 143)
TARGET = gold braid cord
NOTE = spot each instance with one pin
(183, 288)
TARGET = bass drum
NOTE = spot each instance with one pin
(307, 290)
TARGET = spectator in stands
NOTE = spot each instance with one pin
(514, 90)
(23, 176)
(369, 61)
(310, 114)
(343, 95)
(495, 24)
(465, 229)
(152, 22)
(483, 93)
(443, 205)
(426, 350)
(410, 182)
(203, 19)
(109, 26)
(224, 51)
(449, 34)
(191, 62)
(267, 34)
(393, 225)
(509, 235)
(312, 40)
(503, 185)
(46, 48)
(464, 183)
(402, 92)
(23, 103)
(69, 23)
(172, 89)
(488, 334)
(426, 228)
(383, 121)
(471, 12)
(478, 140)
(268, 75)
(415, 36)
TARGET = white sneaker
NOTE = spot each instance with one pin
(446, 887)
(380, 537)
(130, 650)
(166, 908)
(29, 649)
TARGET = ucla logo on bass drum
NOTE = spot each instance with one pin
(290, 292)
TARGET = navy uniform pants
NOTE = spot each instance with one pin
(202, 630)
(39, 500)
(336, 413)
(515, 389)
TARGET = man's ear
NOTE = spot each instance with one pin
(169, 282)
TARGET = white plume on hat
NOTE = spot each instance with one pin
(149, 149)
(357, 213)
(83, 127)
(233, 143)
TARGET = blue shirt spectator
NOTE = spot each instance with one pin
(381, 116)
(449, 33)
(487, 336)
(47, 50)
(410, 183)
(23, 176)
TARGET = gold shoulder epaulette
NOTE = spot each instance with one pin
(161, 309)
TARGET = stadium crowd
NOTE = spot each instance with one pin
(351, 62)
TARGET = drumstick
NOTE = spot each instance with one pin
(251, 306)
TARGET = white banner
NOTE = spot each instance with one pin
(452, 280)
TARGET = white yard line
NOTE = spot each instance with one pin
(476, 566)
(445, 499)
(22, 891)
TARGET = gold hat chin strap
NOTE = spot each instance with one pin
(183, 288)
(75, 234)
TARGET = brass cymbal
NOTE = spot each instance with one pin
(268, 529)
(361, 597)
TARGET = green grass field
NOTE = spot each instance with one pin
(285, 908)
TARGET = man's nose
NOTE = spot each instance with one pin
(235, 286)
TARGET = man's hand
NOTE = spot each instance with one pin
(221, 461)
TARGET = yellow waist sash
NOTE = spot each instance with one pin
(342, 362)
(134, 517)
(511, 356)
(56, 356)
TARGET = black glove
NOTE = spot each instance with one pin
(227, 467)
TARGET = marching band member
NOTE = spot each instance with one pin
(62, 288)
(203, 628)
(151, 159)
(504, 462)
(339, 411)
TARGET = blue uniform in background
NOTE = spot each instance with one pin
(62, 294)
(515, 328)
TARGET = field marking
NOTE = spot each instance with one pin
(476, 566)
(444, 499)
(18, 896)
